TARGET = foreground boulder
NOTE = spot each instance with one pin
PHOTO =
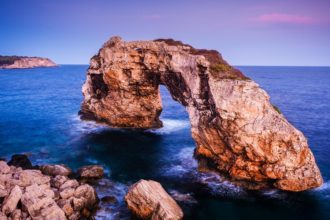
(237, 130)
(149, 200)
(26, 194)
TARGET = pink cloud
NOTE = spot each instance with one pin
(279, 18)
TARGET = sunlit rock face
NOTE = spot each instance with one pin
(237, 131)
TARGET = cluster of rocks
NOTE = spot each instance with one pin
(45, 193)
(49, 192)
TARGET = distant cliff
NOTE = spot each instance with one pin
(20, 62)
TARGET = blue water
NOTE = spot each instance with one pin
(38, 116)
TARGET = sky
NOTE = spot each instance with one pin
(245, 32)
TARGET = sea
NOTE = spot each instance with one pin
(39, 117)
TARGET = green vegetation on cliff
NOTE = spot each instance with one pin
(7, 60)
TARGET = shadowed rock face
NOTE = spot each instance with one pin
(237, 130)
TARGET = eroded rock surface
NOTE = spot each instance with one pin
(147, 199)
(238, 132)
(91, 172)
(54, 170)
(30, 194)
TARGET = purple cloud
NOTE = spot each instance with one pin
(280, 18)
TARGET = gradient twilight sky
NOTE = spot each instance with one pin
(246, 32)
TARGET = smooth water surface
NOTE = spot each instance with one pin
(38, 116)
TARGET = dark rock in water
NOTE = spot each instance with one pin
(237, 130)
(91, 172)
(149, 200)
(20, 160)
(109, 199)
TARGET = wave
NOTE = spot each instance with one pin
(183, 197)
(184, 165)
(116, 208)
(82, 126)
(325, 187)
(171, 125)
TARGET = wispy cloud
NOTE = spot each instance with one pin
(281, 18)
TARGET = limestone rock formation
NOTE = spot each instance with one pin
(238, 132)
(91, 172)
(148, 200)
(54, 170)
(11, 201)
(29, 194)
(21, 62)
(46, 207)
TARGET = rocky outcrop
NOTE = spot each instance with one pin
(20, 160)
(40, 204)
(30, 194)
(149, 200)
(238, 132)
(54, 170)
(20, 62)
(11, 201)
(91, 172)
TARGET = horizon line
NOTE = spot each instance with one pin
(235, 65)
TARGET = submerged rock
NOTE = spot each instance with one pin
(109, 199)
(91, 172)
(149, 200)
(237, 130)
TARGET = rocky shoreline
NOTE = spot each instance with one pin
(56, 192)
(44, 192)
(22, 62)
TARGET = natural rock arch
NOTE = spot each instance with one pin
(237, 130)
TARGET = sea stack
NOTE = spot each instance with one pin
(238, 132)
(22, 62)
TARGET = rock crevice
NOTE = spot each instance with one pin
(236, 129)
